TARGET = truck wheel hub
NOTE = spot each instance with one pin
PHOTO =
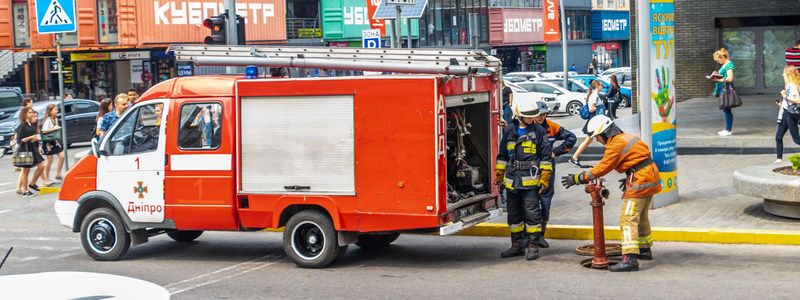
(102, 235)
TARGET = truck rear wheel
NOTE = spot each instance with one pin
(310, 240)
(185, 236)
(103, 235)
(375, 241)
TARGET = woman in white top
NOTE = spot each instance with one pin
(787, 121)
(596, 107)
(51, 146)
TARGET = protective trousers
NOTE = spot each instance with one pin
(525, 212)
(635, 224)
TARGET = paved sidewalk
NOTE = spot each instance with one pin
(754, 125)
(707, 198)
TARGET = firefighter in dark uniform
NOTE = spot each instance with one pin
(554, 133)
(524, 167)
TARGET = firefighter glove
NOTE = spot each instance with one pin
(499, 174)
(544, 181)
(573, 179)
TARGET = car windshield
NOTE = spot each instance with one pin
(9, 99)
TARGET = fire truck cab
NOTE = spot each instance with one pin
(334, 161)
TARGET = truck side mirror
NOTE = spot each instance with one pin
(96, 149)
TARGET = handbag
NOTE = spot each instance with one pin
(52, 136)
(791, 107)
(22, 157)
(584, 112)
(728, 98)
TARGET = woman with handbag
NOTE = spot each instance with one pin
(51, 136)
(27, 154)
(613, 96)
(788, 110)
(724, 89)
(595, 105)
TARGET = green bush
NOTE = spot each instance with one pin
(795, 160)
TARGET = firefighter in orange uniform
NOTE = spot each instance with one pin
(524, 166)
(626, 154)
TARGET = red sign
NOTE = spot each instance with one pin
(372, 6)
(515, 26)
(607, 46)
(551, 21)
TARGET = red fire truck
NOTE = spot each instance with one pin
(334, 160)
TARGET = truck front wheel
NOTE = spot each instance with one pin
(185, 236)
(310, 240)
(375, 241)
(103, 235)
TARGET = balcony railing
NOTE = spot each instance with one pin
(303, 28)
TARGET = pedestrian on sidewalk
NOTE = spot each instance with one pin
(120, 105)
(51, 136)
(788, 110)
(793, 56)
(614, 97)
(524, 167)
(726, 71)
(625, 153)
(573, 68)
(554, 133)
(590, 69)
(37, 154)
(105, 106)
(27, 138)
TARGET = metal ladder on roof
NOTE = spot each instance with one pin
(421, 61)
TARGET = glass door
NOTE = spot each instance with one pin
(741, 45)
(775, 42)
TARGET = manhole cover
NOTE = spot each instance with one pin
(612, 249)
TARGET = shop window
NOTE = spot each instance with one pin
(107, 21)
(22, 36)
(445, 22)
(200, 126)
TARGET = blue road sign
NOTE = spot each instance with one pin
(371, 42)
(55, 16)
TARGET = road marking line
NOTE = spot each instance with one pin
(4, 211)
(6, 183)
(7, 191)
(209, 278)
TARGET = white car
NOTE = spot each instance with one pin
(568, 102)
(518, 92)
(527, 75)
(558, 74)
(606, 75)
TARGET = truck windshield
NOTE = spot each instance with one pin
(9, 99)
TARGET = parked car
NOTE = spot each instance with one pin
(558, 74)
(567, 102)
(526, 75)
(10, 103)
(518, 92)
(514, 79)
(81, 120)
(574, 85)
(624, 90)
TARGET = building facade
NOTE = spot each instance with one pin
(755, 35)
(610, 36)
(579, 38)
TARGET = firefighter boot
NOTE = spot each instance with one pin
(517, 246)
(532, 251)
(628, 263)
(540, 240)
(645, 254)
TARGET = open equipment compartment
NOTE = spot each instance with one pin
(468, 155)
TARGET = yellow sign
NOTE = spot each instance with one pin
(309, 33)
(91, 56)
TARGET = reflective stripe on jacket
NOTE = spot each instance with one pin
(624, 151)
(532, 147)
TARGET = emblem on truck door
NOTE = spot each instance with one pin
(140, 189)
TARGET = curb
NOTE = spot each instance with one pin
(48, 190)
(663, 234)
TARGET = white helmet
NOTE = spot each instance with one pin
(599, 124)
(525, 107)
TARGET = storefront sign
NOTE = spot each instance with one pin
(184, 70)
(552, 24)
(345, 19)
(89, 56)
(606, 46)
(372, 6)
(128, 55)
(305, 33)
(136, 71)
(194, 12)
(515, 26)
(662, 89)
(611, 5)
(610, 25)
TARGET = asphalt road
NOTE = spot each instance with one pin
(253, 265)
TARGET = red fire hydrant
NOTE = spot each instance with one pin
(598, 192)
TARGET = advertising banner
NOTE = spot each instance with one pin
(552, 21)
(662, 92)
(610, 25)
(372, 6)
(515, 26)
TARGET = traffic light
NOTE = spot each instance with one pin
(217, 26)
(218, 35)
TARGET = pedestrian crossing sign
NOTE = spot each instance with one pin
(55, 16)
